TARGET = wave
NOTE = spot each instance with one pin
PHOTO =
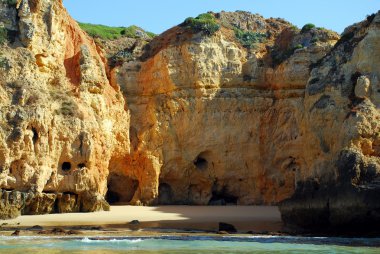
(117, 240)
(370, 242)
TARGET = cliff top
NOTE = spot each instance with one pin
(273, 37)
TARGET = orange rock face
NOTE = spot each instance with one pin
(221, 123)
(61, 120)
(190, 119)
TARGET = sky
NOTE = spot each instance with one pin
(157, 16)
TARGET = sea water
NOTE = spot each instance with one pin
(189, 244)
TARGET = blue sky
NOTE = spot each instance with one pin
(157, 16)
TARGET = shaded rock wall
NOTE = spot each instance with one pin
(342, 93)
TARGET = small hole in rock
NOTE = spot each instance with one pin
(66, 166)
(35, 135)
(201, 163)
(81, 165)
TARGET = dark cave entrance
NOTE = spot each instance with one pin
(112, 197)
(66, 166)
(165, 194)
(222, 197)
(201, 161)
(121, 189)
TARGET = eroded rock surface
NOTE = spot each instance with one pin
(217, 123)
(61, 120)
(190, 118)
(341, 187)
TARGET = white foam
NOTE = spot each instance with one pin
(88, 240)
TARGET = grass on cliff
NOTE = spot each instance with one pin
(112, 33)
(205, 23)
(248, 38)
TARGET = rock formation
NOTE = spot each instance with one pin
(218, 123)
(259, 112)
(341, 186)
(61, 120)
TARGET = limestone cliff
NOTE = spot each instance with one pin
(61, 120)
(341, 185)
(255, 111)
(213, 122)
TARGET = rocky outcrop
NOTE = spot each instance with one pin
(341, 187)
(61, 120)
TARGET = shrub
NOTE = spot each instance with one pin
(307, 27)
(4, 63)
(130, 32)
(249, 39)
(314, 40)
(205, 23)
(10, 2)
(3, 35)
(121, 57)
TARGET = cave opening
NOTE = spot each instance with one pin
(66, 166)
(35, 135)
(121, 188)
(201, 162)
(165, 194)
(222, 197)
(81, 165)
(112, 197)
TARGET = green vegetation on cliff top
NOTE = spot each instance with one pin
(205, 23)
(112, 33)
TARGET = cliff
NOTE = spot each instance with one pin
(61, 120)
(226, 108)
(341, 111)
(218, 121)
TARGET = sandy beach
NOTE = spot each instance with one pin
(244, 218)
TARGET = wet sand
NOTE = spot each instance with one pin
(205, 218)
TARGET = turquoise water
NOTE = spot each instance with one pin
(184, 245)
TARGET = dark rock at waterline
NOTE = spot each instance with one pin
(347, 205)
(73, 232)
(134, 222)
(35, 228)
(227, 227)
(16, 233)
(58, 231)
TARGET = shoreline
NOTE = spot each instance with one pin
(139, 221)
(153, 220)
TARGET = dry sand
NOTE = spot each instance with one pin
(257, 218)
